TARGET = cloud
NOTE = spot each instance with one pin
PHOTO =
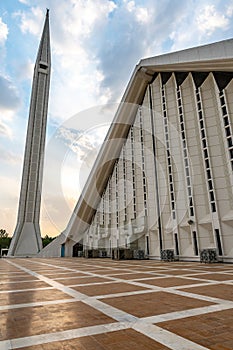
(9, 98)
(133, 33)
(27, 20)
(78, 64)
(24, 70)
(229, 11)
(5, 130)
(3, 32)
(84, 144)
(69, 159)
(8, 156)
(8, 216)
(72, 24)
(210, 19)
(202, 24)
(95, 47)
(141, 13)
(55, 214)
(25, 2)
(9, 103)
(8, 202)
(96, 44)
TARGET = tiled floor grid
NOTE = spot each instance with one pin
(103, 304)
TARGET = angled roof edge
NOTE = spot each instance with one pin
(216, 56)
(221, 50)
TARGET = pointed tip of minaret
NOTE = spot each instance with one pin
(44, 47)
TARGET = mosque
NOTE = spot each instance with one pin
(162, 184)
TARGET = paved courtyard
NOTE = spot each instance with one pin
(102, 304)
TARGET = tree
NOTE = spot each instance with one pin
(3, 233)
(46, 240)
(5, 240)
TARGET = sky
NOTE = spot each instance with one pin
(95, 47)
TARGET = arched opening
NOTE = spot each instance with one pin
(78, 249)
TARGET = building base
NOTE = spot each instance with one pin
(26, 241)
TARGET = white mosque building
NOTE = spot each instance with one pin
(162, 184)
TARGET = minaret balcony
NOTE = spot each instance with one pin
(43, 67)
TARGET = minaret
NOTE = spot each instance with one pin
(27, 238)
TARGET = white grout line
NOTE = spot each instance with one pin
(5, 345)
(14, 282)
(204, 284)
(198, 296)
(92, 284)
(124, 294)
(13, 274)
(110, 311)
(100, 306)
(25, 290)
(125, 320)
(171, 316)
(74, 277)
(169, 339)
(38, 303)
(52, 283)
(80, 296)
(114, 277)
(61, 336)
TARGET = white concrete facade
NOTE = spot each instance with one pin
(193, 136)
(163, 178)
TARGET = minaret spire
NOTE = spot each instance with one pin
(27, 238)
